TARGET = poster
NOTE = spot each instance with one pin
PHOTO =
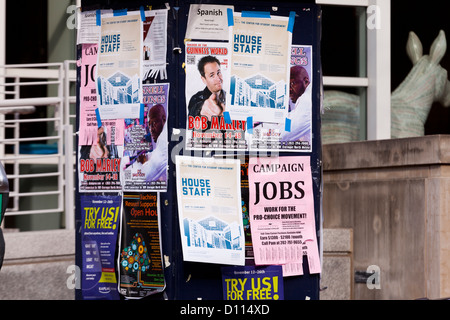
(208, 22)
(119, 67)
(100, 218)
(245, 208)
(87, 28)
(209, 209)
(259, 68)
(252, 283)
(282, 213)
(295, 134)
(207, 72)
(99, 166)
(145, 156)
(154, 45)
(88, 103)
(141, 271)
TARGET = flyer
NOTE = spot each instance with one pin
(208, 22)
(145, 156)
(88, 103)
(119, 67)
(245, 208)
(209, 209)
(99, 165)
(154, 45)
(252, 283)
(259, 68)
(99, 229)
(141, 271)
(282, 212)
(207, 73)
(295, 134)
(87, 29)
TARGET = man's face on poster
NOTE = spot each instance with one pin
(298, 83)
(213, 77)
(156, 121)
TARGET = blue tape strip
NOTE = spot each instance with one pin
(99, 89)
(250, 125)
(227, 117)
(291, 21)
(141, 115)
(232, 88)
(98, 14)
(121, 12)
(99, 119)
(255, 14)
(230, 17)
(287, 125)
(142, 13)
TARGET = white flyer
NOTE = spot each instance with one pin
(207, 22)
(210, 210)
(259, 68)
(119, 67)
(154, 45)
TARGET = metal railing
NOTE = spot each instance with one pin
(40, 165)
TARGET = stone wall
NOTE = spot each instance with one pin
(36, 265)
(395, 195)
(337, 267)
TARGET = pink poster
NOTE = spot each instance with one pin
(282, 213)
(89, 126)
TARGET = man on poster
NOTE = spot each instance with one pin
(300, 114)
(210, 101)
(299, 106)
(154, 164)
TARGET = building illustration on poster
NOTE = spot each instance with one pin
(211, 232)
(118, 89)
(258, 91)
(188, 208)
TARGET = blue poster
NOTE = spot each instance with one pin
(253, 283)
(99, 229)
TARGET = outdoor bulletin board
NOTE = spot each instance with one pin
(199, 148)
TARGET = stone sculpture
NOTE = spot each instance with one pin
(411, 102)
(340, 120)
